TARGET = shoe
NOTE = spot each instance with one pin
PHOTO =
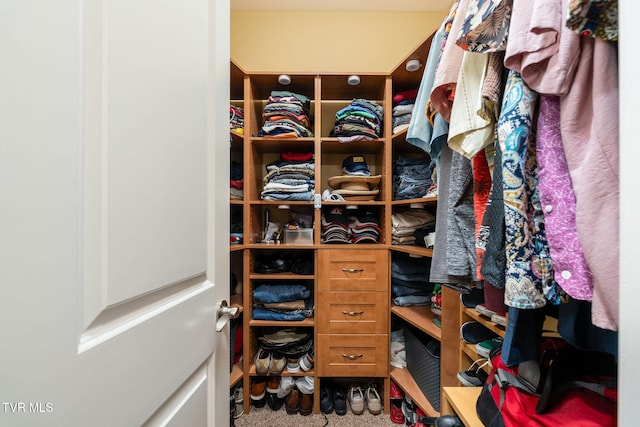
(409, 410)
(484, 348)
(277, 364)
(292, 402)
(285, 387)
(273, 383)
(238, 394)
(263, 360)
(340, 400)
(373, 400)
(258, 393)
(395, 414)
(273, 401)
(293, 365)
(356, 400)
(305, 384)
(473, 332)
(306, 361)
(473, 298)
(500, 319)
(326, 397)
(395, 392)
(474, 376)
(448, 421)
(258, 388)
(271, 264)
(482, 309)
(306, 404)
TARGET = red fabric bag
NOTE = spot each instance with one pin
(575, 388)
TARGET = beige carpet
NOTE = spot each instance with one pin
(265, 417)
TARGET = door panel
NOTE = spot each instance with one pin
(112, 172)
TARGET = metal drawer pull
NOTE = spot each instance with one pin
(353, 270)
(352, 313)
(352, 356)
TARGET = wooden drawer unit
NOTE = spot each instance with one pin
(353, 270)
(351, 355)
(353, 313)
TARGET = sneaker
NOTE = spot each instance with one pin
(326, 397)
(306, 361)
(293, 365)
(473, 298)
(395, 414)
(475, 375)
(473, 332)
(483, 348)
(500, 319)
(373, 400)
(482, 309)
(340, 400)
(277, 364)
(263, 360)
(238, 394)
(356, 400)
(395, 392)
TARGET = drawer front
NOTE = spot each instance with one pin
(353, 313)
(353, 270)
(353, 355)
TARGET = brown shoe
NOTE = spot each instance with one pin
(272, 384)
(306, 404)
(258, 388)
(292, 401)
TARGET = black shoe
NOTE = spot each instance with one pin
(326, 398)
(448, 421)
(473, 332)
(340, 400)
(274, 402)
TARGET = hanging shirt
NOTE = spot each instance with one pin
(529, 273)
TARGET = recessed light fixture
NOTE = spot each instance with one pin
(284, 79)
(353, 80)
(413, 65)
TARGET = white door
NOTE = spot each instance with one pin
(113, 213)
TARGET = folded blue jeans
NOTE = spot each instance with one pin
(266, 293)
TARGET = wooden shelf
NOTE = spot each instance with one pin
(431, 200)
(284, 373)
(281, 276)
(236, 374)
(420, 317)
(461, 401)
(412, 250)
(237, 247)
(405, 381)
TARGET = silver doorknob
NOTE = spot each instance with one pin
(224, 313)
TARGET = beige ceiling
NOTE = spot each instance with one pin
(371, 5)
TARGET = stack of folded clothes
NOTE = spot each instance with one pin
(410, 280)
(360, 120)
(236, 119)
(404, 225)
(282, 301)
(412, 178)
(286, 115)
(290, 178)
(403, 103)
